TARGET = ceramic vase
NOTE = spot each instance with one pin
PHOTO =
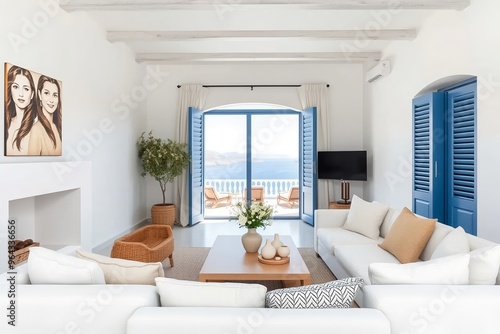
(284, 251)
(276, 241)
(251, 240)
(268, 251)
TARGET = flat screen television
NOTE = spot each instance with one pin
(342, 165)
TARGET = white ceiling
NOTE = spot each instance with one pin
(215, 31)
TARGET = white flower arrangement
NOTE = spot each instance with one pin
(256, 215)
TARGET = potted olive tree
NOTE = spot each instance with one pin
(163, 160)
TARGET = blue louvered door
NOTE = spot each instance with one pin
(428, 155)
(308, 176)
(196, 195)
(461, 157)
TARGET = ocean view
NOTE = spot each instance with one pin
(269, 169)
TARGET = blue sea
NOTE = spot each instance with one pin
(269, 169)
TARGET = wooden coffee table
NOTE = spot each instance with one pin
(228, 261)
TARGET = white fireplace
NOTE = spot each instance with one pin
(50, 203)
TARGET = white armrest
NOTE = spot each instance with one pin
(330, 218)
(437, 309)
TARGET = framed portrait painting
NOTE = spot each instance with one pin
(32, 113)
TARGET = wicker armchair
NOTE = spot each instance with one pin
(152, 243)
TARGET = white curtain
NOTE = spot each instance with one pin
(317, 96)
(189, 96)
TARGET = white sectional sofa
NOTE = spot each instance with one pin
(410, 308)
(137, 309)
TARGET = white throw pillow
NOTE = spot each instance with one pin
(484, 265)
(445, 270)
(120, 271)
(183, 293)
(365, 217)
(46, 266)
(454, 243)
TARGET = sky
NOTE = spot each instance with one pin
(275, 135)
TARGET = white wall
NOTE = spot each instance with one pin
(449, 43)
(346, 99)
(98, 124)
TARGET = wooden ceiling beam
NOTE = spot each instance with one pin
(259, 57)
(135, 5)
(395, 34)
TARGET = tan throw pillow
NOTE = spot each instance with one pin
(120, 271)
(408, 236)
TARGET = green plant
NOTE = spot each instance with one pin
(162, 159)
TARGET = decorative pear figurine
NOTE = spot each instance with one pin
(276, 242)
(268, 251)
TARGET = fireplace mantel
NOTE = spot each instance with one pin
(59, 191)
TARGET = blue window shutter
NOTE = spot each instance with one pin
(428, 155)
(308, 177)
(196, 195)
(461, 157)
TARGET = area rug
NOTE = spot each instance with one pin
(188, 262)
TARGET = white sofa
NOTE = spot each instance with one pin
(412, 308)
(136, 309)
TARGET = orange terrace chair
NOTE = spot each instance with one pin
(214, 198)
(290, 197)
(257, 194)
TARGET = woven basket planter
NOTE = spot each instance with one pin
(163, 214)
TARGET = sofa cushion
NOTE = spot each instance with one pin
(46, 266)
(120, 271)
(452, 269)
(174, 292)
(365, 217)
(454, 243)
(334, 294)
(440, 232)
(333, 237)
(389, 219)
(356, 259)
(484, 265)
(408, 236)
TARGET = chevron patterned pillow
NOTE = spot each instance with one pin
(334, 294)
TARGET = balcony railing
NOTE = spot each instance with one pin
(271, 187)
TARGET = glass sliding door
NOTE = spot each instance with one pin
(275, 161)
(254, 155)
(225, 162)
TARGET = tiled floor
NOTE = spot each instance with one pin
(204, 233)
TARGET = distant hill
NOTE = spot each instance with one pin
(217, 158)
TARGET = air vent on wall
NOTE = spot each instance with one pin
(382, 69)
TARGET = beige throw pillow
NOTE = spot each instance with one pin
(365, 217)
(408, 236)
(183, 293)
(120, 271)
